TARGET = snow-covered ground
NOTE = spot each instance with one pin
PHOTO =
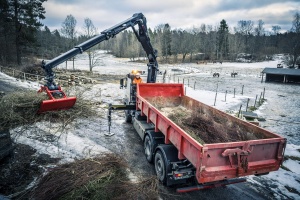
(83, 138)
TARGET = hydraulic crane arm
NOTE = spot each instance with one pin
(142, 36)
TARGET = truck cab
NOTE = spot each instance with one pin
(130, 89)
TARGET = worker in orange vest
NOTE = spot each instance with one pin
(137, 78)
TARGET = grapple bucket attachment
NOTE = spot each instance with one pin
(57, 100)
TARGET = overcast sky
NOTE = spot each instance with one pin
(182, 14)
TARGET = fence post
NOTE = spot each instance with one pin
(255, 101)
(242, 89)
(247, 104)
(260, 98)
(264, 93)
(183, 81)
(194, 85)
(24, 77)
(233, 92)
(225, 95)
(178, 79)
(240, 111)
(216, 95)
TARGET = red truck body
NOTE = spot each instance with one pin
(216, 161)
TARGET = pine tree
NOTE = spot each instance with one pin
(166, 41)
(222, 40)
(26, 16)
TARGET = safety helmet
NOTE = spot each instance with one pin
(137, 74)
(134, 71)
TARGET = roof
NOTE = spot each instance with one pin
(249, 114)
(282, 71)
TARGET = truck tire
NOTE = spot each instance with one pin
(128, 117)
(148, 149)
(6, 147)
(160, 167)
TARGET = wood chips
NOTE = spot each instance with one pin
(202, 124)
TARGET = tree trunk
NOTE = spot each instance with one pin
(183, 57)
(73, 64)
(17, 32)
(90, 60)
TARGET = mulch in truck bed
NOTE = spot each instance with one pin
(202, 125)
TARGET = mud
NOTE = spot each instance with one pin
(20, 169)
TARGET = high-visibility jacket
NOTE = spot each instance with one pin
(137, 80)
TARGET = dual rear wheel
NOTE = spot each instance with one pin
(159, 160)
(160, 167)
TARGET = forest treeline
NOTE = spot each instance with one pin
(24, 38)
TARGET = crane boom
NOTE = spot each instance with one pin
(142, 36)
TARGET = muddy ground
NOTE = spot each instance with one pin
(21, 169)
(25, 166)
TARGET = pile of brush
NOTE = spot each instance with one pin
(208, 128)
(104, 177)
(203, 125)
(20, 108)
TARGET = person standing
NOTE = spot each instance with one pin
(137, 79)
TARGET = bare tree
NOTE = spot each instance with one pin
(245, 27)
(203, 28)
(245, 30)
(276, 29)
(295, 40)
(69, 27)
(296, 23)
(259, 29)
(90, 30)
(69, 31)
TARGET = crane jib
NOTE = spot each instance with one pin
(53, 90)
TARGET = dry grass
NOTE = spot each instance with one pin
(20, 109)
(103, 177)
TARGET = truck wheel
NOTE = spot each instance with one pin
(148, 149)
(128, 117)
(160, 167)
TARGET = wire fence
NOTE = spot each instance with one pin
(249, 107)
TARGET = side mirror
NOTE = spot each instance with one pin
(123, 83)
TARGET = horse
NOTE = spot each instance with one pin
(216, 74)
(233, 74)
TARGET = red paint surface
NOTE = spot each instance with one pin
(53, 103)
(263, 155)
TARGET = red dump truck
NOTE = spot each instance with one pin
(225, 151)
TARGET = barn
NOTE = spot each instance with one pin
(284, 75)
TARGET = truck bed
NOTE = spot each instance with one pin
(219, 146)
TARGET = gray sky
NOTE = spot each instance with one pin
(182, 14)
